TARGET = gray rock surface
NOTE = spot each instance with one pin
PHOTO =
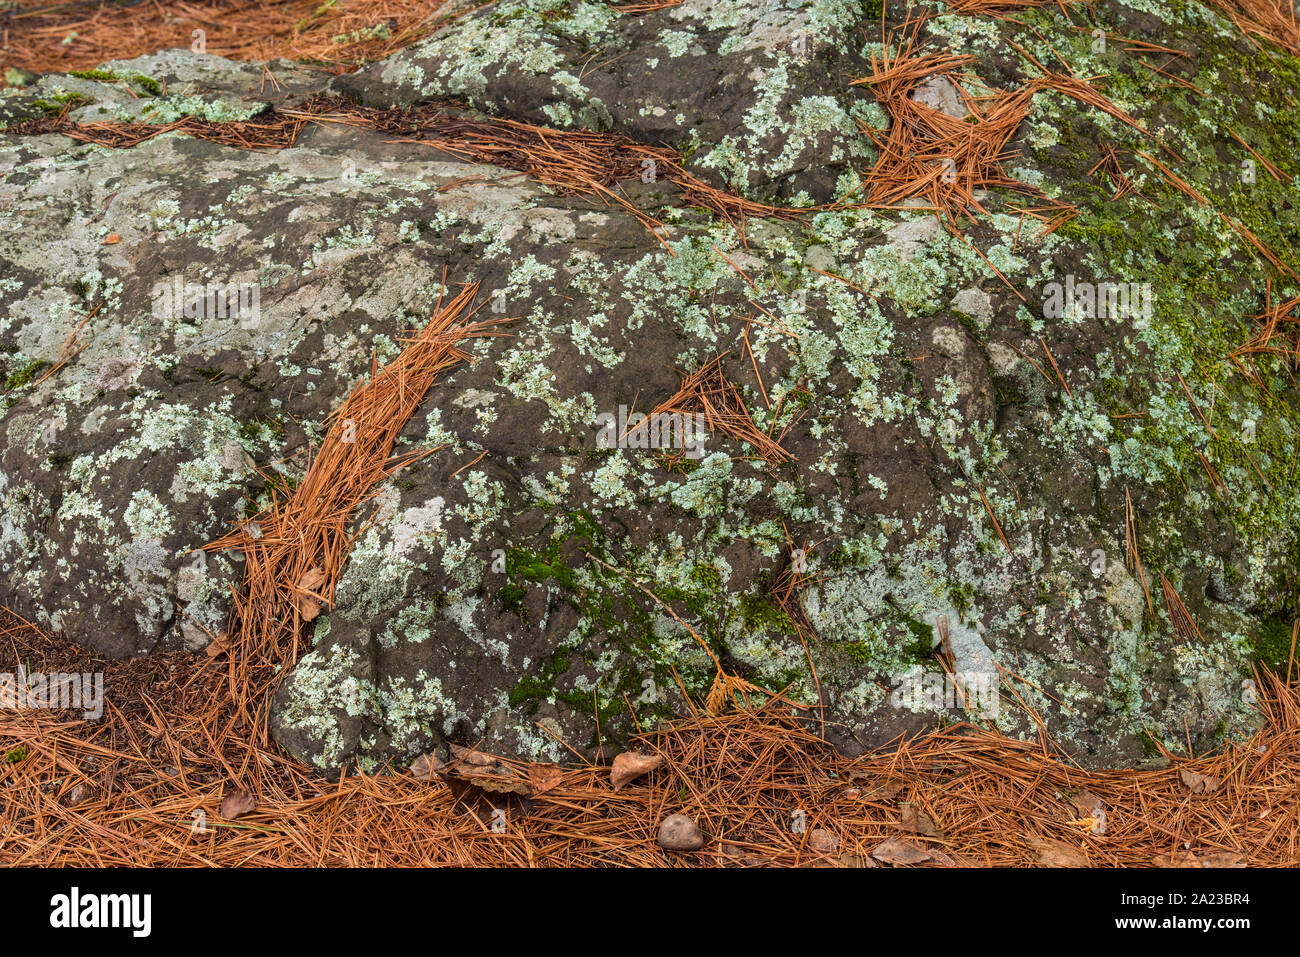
(911, 386)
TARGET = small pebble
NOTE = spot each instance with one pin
(823, 841)
(679, 833)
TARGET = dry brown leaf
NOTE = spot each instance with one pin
(856, 860)
(306, 598)
(218, 645)
(823, 841)
(1176, 859)
(1205, 859)
(897, 851)
(1091, 810)
(739, 857)
(482, 771)
(237, 805)
(1056, 854)
(918, 822)
(468, 756)
(877, 791)
(486, 772)
(79, 794)
(1199, 783)
(425, 766)
(112, 239)
(544, 777)
(1085, 802)
(499, 780)
(630, 765)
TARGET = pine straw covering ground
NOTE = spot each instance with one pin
(43, 36)
(185, 736)
(127, 790)
(58, 37)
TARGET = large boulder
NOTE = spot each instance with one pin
(962, 454)
(752, 93)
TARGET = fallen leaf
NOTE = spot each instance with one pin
(485, 772)
(1085, 802)
(544, 777)
(734, 856)
(630, 765)
(918, 822)
(855, 860)
(1199, 783)
(469, 756)
(1206, 859)
(896, 851)
(112, 239)
(237, 805)
(79, 794)
(306, 599)
(878, 791)
(500, 780)
(425, 766)
(1223, 859)
(1091, 811)
(218, 645)
(1056, 854)
(822, 841)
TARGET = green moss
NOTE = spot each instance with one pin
(511, 598)
(547, 565)
(706, 576)
(859, 652)
(541, 684)
(24, 376)
(1090, 228)
(759, 612)
(1149, 747)
(1273, 643)
(922, 644)
(59, 101)
(146, 83)
(962, 596)
(254, 429)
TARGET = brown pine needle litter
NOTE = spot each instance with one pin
(294, 550)
(270, 131)
(1272, 20)
(1278, 333)
(143, 787)
(945, 160)
(568, 161)
(62, 37)
(1179, 616)
(1000, 8)
(708, 392)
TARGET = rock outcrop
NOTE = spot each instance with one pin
(960, 449)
